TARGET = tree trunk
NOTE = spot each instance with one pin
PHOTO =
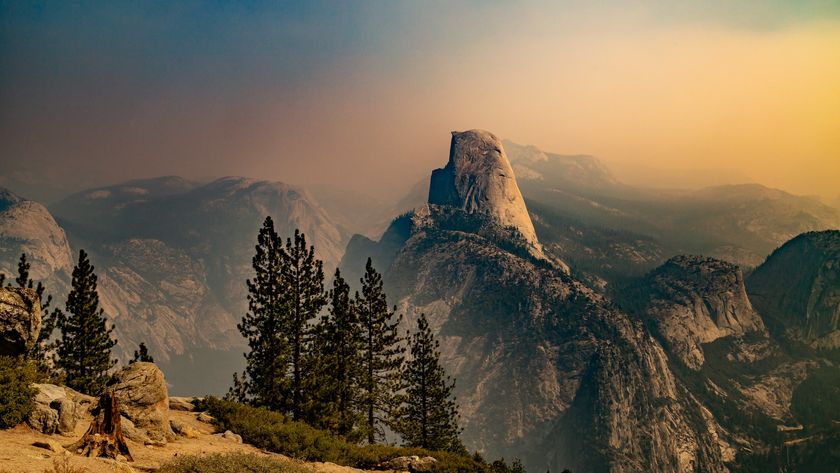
(104, 437)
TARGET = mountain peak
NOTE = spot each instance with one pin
(479, 179)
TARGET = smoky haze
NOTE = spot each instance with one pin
(363, 97)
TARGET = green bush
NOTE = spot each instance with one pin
(277, 433)
(231, 463)
(16, 392)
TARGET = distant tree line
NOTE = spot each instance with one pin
(335, 359)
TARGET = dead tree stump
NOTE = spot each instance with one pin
(104, 437)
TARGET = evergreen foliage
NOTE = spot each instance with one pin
(303, 276)
(84, 350)
(16, 392)
(500, 466)
(381, 355)
(40, 351)
(285, 296)
(337, 345)
(277, 433)
(142, 354)
(430, 416)
(264, 382)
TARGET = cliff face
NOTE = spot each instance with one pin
(798, 288)
(28, 227)
(479, 178)
(547, 369)
(693, 300)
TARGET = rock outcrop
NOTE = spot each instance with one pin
(58, 409)
(144, 401)
(479, 179)
(693, 300)
(798, 288)
(20, 320)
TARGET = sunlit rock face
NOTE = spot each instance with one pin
(694, 300)
(479, 179)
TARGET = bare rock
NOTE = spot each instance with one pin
(694, 300)
(58, 409)
(43, 419)
(206, 418)
(183, 429)
(141, 390)
(50, 445)
(232, 436)
(67, 416)
(20, 320)
(181, 403)
(798, 288)
(132, 432)
(479, 179)
(412, 463)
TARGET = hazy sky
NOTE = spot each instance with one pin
(363, 94)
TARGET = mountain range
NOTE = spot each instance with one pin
(583, 327)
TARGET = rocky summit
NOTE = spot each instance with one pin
(479, 179)
(694, 300)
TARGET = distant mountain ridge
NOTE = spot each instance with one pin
(172, 258)
(738, 223)
(28, 227)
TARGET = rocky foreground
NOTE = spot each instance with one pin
(37, 445)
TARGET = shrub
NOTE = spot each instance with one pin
(63, 464)
(16, 392)
(231, 463)
(277, 433)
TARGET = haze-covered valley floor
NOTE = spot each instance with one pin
(589, 324)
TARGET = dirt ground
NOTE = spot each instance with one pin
(18, 455)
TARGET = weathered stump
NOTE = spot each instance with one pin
(104, 437)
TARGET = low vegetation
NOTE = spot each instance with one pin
(231, 463)
(277, 433)
(16, 392)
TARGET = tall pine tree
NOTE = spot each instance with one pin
(336, 348)
(284, 298)
(429, 418)
(304, 285)
(84, 350)
(381, 355)
(40, 351)
(264, 382)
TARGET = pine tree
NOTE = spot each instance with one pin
(39, 353)
(285, 297)
(430, 416)
(381, 355)
(85, 347)
(142, 354)
(304, 285)
(337, 344)
(264, 382)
